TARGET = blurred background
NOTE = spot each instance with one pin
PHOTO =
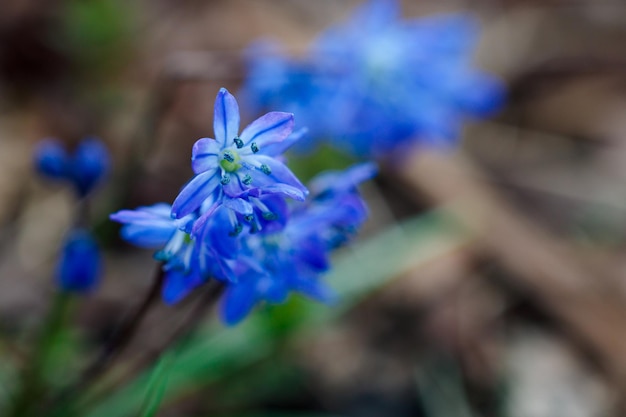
(489, 281)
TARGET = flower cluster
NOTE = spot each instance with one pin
(388, 81)
(244, 219)
(79, 265)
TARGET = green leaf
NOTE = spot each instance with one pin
(157, 385)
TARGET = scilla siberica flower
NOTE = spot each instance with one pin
(235, 169)
(389, 81)
(272, 265)
(84, 169)
(240, 180)
(284, 248)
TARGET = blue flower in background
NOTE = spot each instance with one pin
(79, 266)
(84, 169)
(386, 81)
(234, 167)
(274, 264)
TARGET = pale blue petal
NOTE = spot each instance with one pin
(279, 173)
(205, 155)
(343, 181)
(285, 190)
(146, 236)
(239, 205)
(277, 149)
(194, 193)
(226, 118)
(271, 128)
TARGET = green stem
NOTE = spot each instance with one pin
(32, 387)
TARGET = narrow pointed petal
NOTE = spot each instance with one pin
(178, 284)
(240, 205)
(205, 155)
(237, 302)
(194, 193)
(222, 235)
(226, 117)
(278, 174)
(285, 190)
(343, 181)
(157, 214)
(271, 128)
(146, 236)
(281, 147)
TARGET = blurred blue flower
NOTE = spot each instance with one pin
(79, 266)
(272, 265)
(234, 167)
(387, 81)
(83, 170)
(51, 159)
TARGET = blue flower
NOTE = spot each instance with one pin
(233, 167)
(271, 265)
(388, 81)
(79, 266)
(84, 169)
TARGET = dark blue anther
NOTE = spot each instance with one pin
(265, 169)
(228, 156)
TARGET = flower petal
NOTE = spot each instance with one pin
(285, 190)
(239, 205)
(178, 284)
(146, 236)
(220, 233)
(194, 193)
(237, 302)
(337, 182)
(205, 155)
(280, 148)
(270, 128)
(225, 118)
(278, 173)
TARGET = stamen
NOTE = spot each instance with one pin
(228, 156)
(249, 217)
(238, 228)
(238, 142)
(254, 147)
(225, 179)
(268, 215)
(265, 169)
(247, 179)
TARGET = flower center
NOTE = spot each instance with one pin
(230, 160)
